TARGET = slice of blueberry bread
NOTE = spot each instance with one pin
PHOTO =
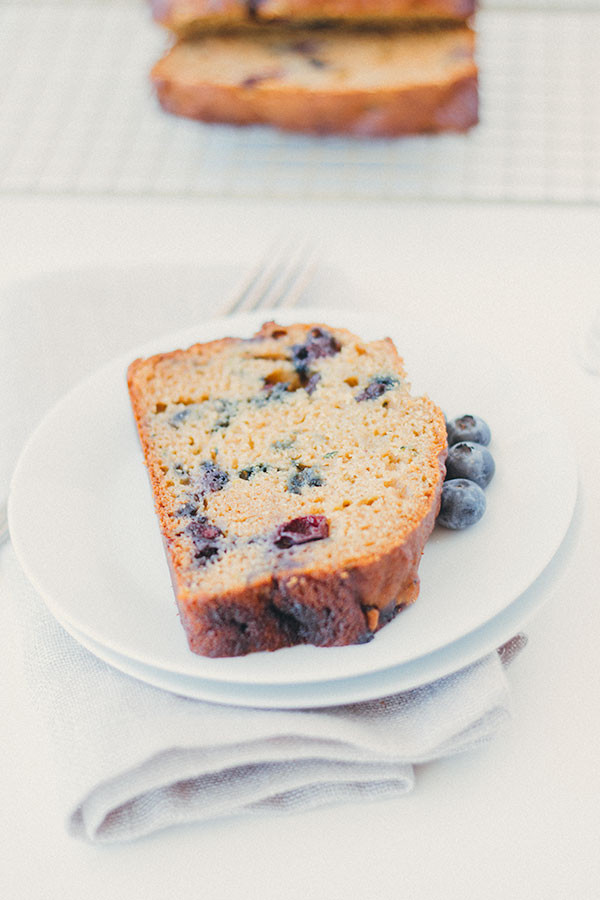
(296, 481)
(187, 17)
(368, 83)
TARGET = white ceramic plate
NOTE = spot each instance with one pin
(83, 526)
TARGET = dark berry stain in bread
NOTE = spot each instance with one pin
(247, 473)
(301, 531)
(304, 476)
(319, 343)
(205, 537)
(226, 410)
(377, 387)
(212, 478)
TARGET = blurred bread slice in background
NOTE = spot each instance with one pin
(365, 68)
(362, 83)
(185, 17)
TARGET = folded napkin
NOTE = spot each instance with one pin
(132, 759)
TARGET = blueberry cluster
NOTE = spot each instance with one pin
(469, 469)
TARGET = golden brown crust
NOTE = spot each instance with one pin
(431, 103)
(186, 17)
(370, 10)
(419, 109)
(323, 608)
(320, 604)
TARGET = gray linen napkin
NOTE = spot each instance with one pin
(132, 759)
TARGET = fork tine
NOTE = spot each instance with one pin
(271, 274)
(278, 279)
(292, 278)
(255, 283)
(247, 287)
(303, 278)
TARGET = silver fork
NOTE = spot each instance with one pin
(278, 281)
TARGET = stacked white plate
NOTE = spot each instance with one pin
(94, 553)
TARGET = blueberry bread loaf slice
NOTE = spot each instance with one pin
(368, 83)
(186, 17)
(296, 481)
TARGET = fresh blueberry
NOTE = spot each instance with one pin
(468, 428)
(463, 504)
(469, 460)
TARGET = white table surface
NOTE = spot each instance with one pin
(518, 819)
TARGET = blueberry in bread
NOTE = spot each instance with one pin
(296, 481)
(366, 83)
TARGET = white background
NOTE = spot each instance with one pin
(89, 175)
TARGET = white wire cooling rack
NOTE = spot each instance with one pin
(77, 115)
